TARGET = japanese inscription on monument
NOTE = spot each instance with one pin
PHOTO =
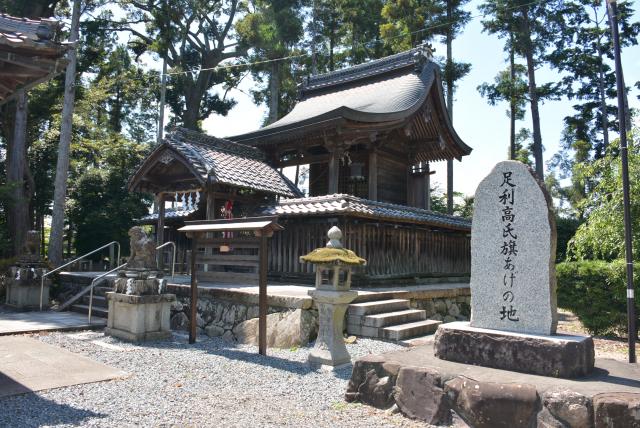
(513, 243)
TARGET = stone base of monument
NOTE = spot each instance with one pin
(139, 318)
(23, 288)
(566, 356)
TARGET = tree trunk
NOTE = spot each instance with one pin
(62, 168)
(533, 95)
(449, 79)
(512, 103)
(18, 212)
(274, 91)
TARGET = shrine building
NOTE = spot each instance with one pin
(367, 134)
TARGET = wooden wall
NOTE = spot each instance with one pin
(392, 250)
(392, 180)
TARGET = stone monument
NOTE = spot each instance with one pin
(140, 308)
(513, 284)
(333, 265)
(25, 278)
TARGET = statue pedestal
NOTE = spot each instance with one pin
(139, 318)
(330, 349)
(23, 288)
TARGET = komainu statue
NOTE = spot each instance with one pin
(143, 250)
(30, 251)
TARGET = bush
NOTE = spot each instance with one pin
(596, 292)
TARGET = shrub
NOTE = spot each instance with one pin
(596, 292)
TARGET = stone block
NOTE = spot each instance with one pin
(493, 405)
(617, 409)
(571, 409)
(23, 288)
(419, 395)
(284, 329)
(139, 318)
(372, 381)
(557, 356)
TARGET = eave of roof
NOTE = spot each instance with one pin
(29, 53)
(343, 204)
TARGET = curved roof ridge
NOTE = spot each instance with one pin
(414, 57)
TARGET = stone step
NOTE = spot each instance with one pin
(371, 296)
(95, 311)
(98, 301)
(394, 318)
(404, 331)
(101, 291)
(378, 306)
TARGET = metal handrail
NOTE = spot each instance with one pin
(93, 284)
(173, 259)
(72, 262)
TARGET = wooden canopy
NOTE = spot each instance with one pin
(28, 54)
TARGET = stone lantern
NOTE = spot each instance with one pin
(333, 265)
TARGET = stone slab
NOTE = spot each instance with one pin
(557, 356)
(12, 322)
(513, 252)
(29, 365)
(608, 375)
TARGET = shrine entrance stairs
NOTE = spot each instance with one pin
(388, 316)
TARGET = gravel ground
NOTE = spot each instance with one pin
(212, 383)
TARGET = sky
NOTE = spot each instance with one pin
(483, 127)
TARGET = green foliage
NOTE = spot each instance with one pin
(102, 209)
(566, 228)
(596, 292)
(602, 234)
(462, 205)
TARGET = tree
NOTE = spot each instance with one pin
(271, 30)
(602, 234)
(62, 166)
(194, 37)
(530, 39)
(509, 85)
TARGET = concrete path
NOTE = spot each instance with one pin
(28, 365)
(13, 322)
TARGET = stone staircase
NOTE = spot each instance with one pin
(384, 316)
(99, 307)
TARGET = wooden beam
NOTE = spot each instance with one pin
(160, 225)
(211, 202)
(309, 159)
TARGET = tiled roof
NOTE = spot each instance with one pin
(229, 163)
(348, 204)
(391, 92)
(32, 34)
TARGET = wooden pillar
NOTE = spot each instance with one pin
(193, 324)
(262, 296)
(161, 214)
(450, 186)
(334, 171)
(427, 185)
(211, 204)
(373, 175)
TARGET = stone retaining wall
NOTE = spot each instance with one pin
(220, 311)
(445, 309)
